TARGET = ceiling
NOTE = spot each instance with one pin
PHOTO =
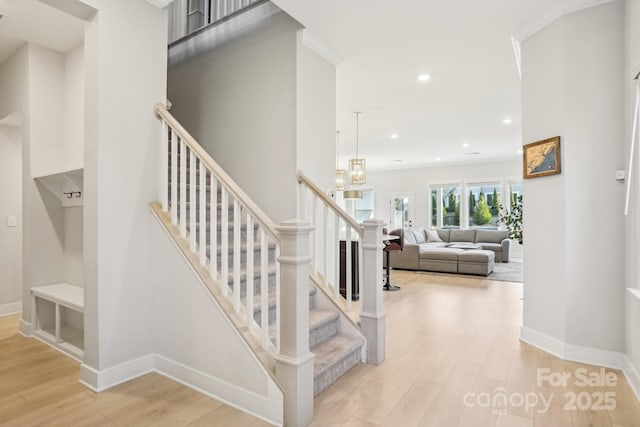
(464, 46)
(35, 22)
(381, 47)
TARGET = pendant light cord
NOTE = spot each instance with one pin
(357, 132)
(337, 148)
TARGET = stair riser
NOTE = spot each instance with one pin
(257, 311)
(321, 333)
(257, 262)
(257, 284)
(330, 376)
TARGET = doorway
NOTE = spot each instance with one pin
(401, 210)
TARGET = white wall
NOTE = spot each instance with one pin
(239, 101)
(571, 87)
(10, 237)
(74, 109)
(545, 275)
(73, 245)
(46, 110)
(124, 79)
(417, 181)
(316, 101)
(632, 67)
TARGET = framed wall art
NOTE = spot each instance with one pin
(541, 158)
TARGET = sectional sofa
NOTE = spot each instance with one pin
(451, 251)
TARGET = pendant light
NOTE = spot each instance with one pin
(341, 174)
(352, 194)
(357, 166)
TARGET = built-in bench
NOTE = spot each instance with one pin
(57, 316)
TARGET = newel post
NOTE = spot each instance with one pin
(294, 363)
(372, 316)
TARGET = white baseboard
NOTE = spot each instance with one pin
(247, 401)
(267, 408)
(26, 328)
(13, 308)
(107, 378)
(543, 342)
(632, 376)
(575, 353)
(586, 355)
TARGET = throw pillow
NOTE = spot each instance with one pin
(432, 236)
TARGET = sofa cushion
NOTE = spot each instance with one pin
(419, 235)
(431, 245)
(409, 236)
(432, 236)
(491, 236)
(496, 247)
(476, 256)
(462, 236)
(440, 254)
(444, 235)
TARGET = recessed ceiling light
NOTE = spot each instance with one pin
(394, 136)
(423, 77)
(465, 144)
(437, 159)
(519, 151)
(507, 120)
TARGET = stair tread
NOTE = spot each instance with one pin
(319, 317)
(333, 350)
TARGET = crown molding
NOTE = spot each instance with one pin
(557, 12)
(161, 4)
(309, 41)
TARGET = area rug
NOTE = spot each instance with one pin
(502, 272)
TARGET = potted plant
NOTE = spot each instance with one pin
(512, 219)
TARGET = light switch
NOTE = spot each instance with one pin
(12, 221)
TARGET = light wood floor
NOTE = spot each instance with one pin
(448, 339)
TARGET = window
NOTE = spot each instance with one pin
(445, 206)
(515, 189)
(484, 202)
(359, 209)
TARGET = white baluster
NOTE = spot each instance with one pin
(183, 189)
(303, 202)
(325, 243)
(361, 288)
(213, 228)
(237, 251)
(192, 201)
(336, 283)
(347, 279)
(224, 241)
(250, 249)
(278, 305)
(174, 177)
(203, 214)
(264, 289)
(164, 167)
(314, 234)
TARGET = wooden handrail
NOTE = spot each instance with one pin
(245, 201)
(302, 179)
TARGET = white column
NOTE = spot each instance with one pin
(373, 317)
(294, 363)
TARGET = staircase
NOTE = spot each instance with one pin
(335, 352)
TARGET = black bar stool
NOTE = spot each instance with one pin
(392, 245)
